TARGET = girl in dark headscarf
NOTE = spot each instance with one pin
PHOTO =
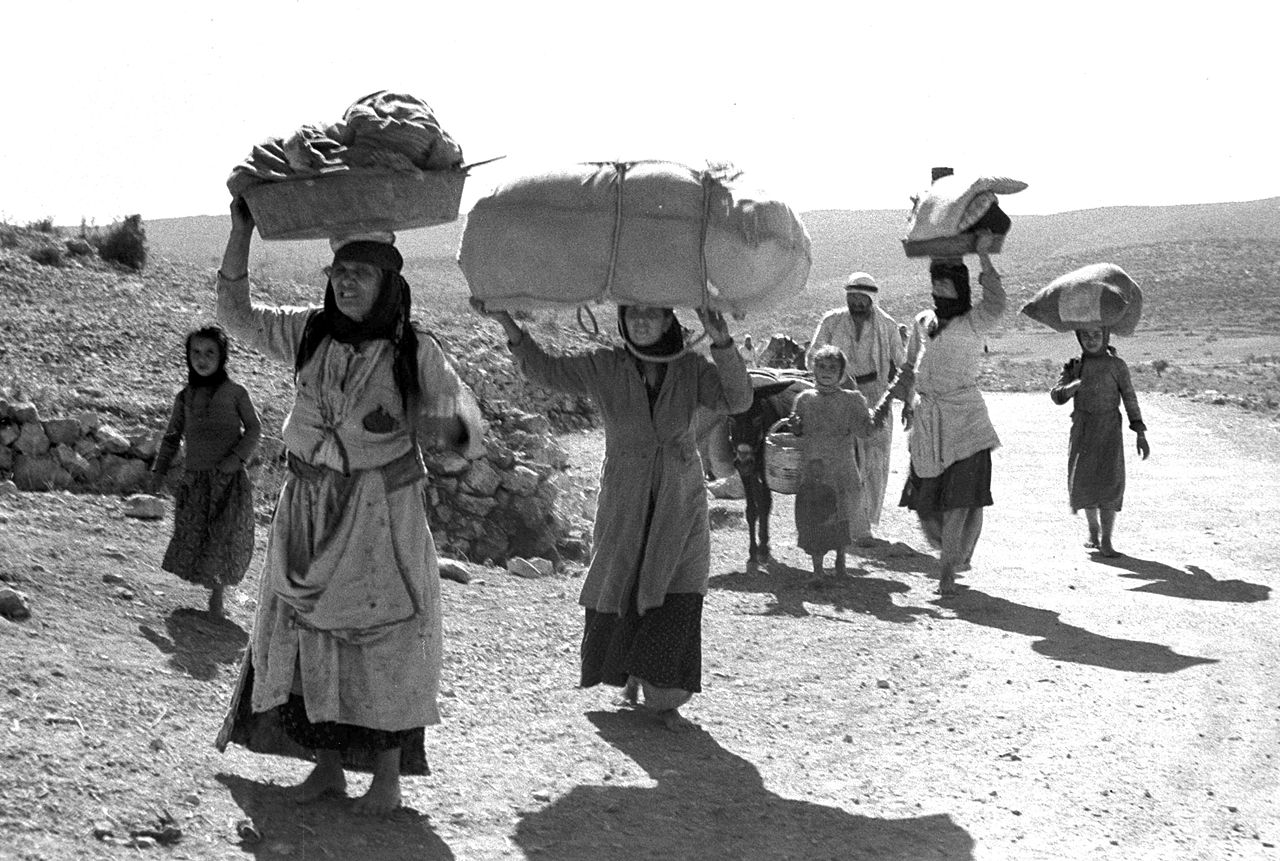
(952, 437)
(652, 543)
(1098, 382)
(212, 540)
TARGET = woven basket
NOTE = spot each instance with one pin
(949, 246)
(354, 201)
(782, 461)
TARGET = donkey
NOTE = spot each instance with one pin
(782, 351)
(774, 393)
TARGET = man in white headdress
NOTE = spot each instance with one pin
(873, 348)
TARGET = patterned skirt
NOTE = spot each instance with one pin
(663, 647)
(212, 541)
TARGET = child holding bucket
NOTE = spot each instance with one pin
(830, 511)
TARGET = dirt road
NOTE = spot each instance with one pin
(1061, 707)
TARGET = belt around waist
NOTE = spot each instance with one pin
(868, 377)
(404, 470)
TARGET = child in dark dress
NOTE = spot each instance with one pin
(212, 540)
(1099, 382)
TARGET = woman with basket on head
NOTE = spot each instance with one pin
(651, 543)
(345, 653)
(951, 439)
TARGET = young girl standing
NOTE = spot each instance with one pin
(1099, 382)
(212, 539)
(830, 511)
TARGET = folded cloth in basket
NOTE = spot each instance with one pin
(382, 131)
(954, 204)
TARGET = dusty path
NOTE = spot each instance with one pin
(1062, 707)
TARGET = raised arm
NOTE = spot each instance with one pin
(987, 313)
(235, 309)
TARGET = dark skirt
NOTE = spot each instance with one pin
(663, 647)
(964, 484)
(1095, 461)
(286, 731)
(212, 541)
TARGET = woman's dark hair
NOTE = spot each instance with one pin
(956, 273)
(219, 337)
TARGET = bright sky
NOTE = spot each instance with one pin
(120, 107)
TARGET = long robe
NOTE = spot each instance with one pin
(1095, 453)
(830, 511)
(651, 453)
(349, 602)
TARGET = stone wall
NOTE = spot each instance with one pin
(515, 500)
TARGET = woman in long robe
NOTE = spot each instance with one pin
(1098, 382)
(651, 547)
(345, 652)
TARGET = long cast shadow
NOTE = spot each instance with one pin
(792, 588)
(711, 804)
(328, 828)
(1193, 584)
(1064, 642)
(196, 643)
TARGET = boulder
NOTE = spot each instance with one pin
(62, 431)
(112, 440)
(14, 604)
(144, 506)
(32, 440)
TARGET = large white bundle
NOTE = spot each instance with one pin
(646, 233)
(1098, 295)
(947, 216)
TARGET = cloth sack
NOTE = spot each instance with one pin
(945, 216)
(1098, 295)
(644, 232)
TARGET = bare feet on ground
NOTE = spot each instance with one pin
(676, 722)
(327, 778)
(382, 798)
(630, 696)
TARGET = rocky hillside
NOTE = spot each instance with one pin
(91, 357)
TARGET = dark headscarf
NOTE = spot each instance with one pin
(1106, 350)
(671, 343)
(218, 377)
(389, 318)
(944, 307)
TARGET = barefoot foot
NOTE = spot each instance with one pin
(630, 696)
(1105, 549)
(676, 722)
(382, 798)
(325, 779)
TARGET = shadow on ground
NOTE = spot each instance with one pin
(1060, 641)
(1194, 584)
(711, 804)
(328, 828)
(198, 644)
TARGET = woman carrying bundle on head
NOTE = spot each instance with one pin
(345, 652)
(651, 548)
(1098, 382)
(952, 437)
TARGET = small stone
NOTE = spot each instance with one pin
(112, 579)
(157, 744)
(882, 683)
(192, 799)
(521, 567)
(14, 604)
(144, 506)
(124, 594)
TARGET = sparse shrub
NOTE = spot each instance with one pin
(8, 237)
(1160, 366)
(47, 255)
(43, 225)
(124, 242)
